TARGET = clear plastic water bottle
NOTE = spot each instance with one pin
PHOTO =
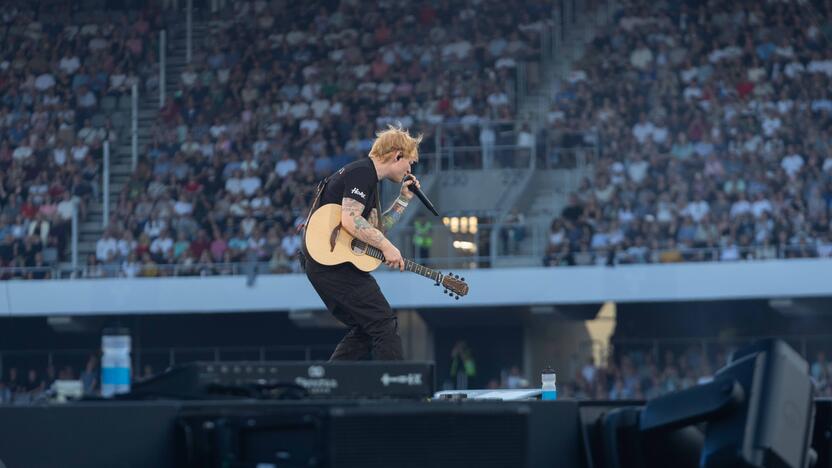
(549, 387)
(115, 362)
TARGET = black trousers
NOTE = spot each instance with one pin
(354, 298)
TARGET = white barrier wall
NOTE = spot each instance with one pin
(489, 287)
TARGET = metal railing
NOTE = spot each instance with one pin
(453, 158)
(144, 270)
(189, 13)
(518, 244)
(558, 157)
(644, 255)
(162, 64)
(545, 155)
(105, 185)
(134, 129)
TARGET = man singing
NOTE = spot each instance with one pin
(352, 295)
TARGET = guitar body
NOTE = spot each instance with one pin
(330, 244)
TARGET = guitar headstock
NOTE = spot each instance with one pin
(454, 285)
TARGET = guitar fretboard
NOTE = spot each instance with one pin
(408, 265)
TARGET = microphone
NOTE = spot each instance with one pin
(418, 192)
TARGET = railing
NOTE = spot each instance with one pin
(508, 156)
(140, 270)
(519, 244)
(162, 64)
(189, 13)
(105, 186)
(619, 256)
(476, 157)
(134, 129)
(547, 155)
(576, 157)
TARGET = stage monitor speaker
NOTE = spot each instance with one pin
(758, 411)
(290, 380)
(771, 425)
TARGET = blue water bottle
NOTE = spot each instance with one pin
(549, 384)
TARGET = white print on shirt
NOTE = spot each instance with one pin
(361, 194)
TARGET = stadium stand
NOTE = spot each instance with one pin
(713, 137)
(274, 100)
(711, 125)
(64, 74)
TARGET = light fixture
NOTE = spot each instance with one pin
(465, 246)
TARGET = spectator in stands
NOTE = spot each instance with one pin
(89, 376)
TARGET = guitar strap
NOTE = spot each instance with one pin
(315, 200)
(302, 254)
(378, 205)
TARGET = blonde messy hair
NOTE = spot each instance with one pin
(395, 138)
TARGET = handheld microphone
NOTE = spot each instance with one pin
(418, 192)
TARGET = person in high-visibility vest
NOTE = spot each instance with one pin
(463, 366)
(422, 237)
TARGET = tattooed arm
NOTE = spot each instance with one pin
(359, 227)
(394, 214)
(373, 218)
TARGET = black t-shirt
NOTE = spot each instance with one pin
(357, 180)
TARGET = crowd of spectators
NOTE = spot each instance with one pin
(20, 385)
(640, 375)
(280, 94)
(712, 127)
(62, 72)
(711, 124)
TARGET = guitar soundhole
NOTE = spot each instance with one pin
(358, 250)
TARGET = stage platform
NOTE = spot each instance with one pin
(335, 433)
(326, 433)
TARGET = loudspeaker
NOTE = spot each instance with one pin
(758, 411)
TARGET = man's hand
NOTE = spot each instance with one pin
(406, 193)
(392, 256)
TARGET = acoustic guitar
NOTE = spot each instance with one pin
(329, 244)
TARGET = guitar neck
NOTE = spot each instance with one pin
(408, 264)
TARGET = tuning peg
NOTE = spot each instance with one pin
(463, 279)
(457, 298)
